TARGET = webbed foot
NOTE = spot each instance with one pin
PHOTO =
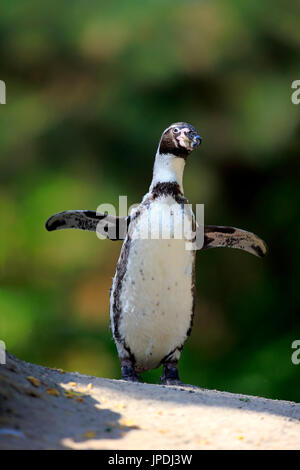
(128, 372)
(170, 374)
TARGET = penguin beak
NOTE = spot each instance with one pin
(189, 139)
(196, 141)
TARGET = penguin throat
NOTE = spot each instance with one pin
(167, 169)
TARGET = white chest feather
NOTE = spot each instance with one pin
(156, 296)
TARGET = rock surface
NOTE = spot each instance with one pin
(42, 408)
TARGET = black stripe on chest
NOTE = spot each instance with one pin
(168, 189)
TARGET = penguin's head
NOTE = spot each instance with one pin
(179, 139)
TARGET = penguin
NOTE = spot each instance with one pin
(152, 298)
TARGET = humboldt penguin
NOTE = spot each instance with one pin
(153, 291)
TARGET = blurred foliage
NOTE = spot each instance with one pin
(90, 87)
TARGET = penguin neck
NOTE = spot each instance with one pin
(167, 169)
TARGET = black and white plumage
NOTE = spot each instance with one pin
(153, 291)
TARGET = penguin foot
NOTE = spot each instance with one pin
(170, 374)
(165, 381)
(128, 372)
(131, 378)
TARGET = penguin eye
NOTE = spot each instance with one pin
(175, 130)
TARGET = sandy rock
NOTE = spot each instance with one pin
(62, 410)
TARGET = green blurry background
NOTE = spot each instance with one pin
(90, 87)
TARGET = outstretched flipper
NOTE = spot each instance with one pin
(112, 227)
(115, 228)
(231, 237)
